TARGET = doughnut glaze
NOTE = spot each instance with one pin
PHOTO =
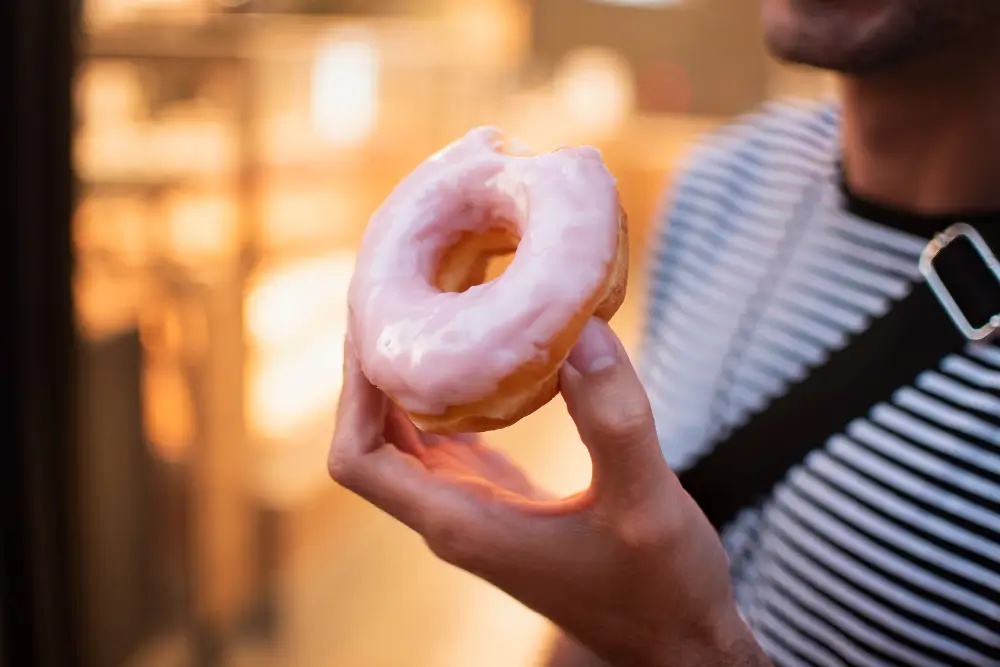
(461, 356)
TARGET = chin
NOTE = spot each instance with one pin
(867, 36)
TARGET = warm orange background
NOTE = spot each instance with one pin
(228, 163)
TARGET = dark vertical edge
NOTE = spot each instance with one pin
(38, 591)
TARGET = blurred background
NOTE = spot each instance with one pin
(228, 154)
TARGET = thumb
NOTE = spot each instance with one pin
(611, 410)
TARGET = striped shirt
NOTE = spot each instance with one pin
(883, 546)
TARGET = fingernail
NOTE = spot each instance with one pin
(596, 350)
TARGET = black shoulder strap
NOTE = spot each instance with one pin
(913, 336)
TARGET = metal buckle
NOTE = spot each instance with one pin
(930, 252)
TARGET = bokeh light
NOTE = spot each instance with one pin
(596, 90)
(345, 90)
(229, 153)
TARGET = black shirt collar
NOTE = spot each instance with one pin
(907, 221)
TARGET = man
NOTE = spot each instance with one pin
(787, 236)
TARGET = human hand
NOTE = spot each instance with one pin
(459, 459)
(630, 567)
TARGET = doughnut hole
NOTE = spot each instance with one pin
(471, 261)
(476, 258)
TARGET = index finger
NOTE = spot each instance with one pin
(361, 411)
(388, 477)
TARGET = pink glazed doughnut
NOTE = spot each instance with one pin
(460, 355)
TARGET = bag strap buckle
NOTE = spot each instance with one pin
(940, 290)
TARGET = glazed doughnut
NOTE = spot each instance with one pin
(461, 355)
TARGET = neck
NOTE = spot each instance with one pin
(926, 138)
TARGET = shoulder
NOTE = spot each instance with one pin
(779, 134)
(745, 160)
(738, 171)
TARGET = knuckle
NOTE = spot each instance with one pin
(626, 421)
(451, 539)
(648, 531)
(339, 468)
(446, 539)
(339, 464)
